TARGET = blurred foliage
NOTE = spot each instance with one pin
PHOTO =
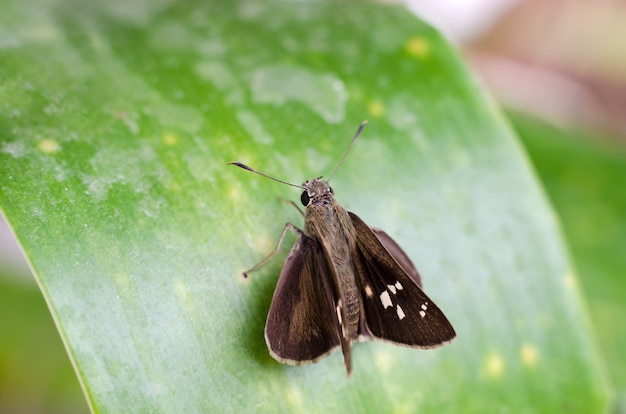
(584, 175)
(35, 373)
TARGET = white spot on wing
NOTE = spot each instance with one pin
(368, 291)
(385, 299)
(343, 328)
(398, 286)
(424, 308)
(400, 312)
(392, 289)
(339, 311)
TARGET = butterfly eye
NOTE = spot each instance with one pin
(304, 198)
(331, 190)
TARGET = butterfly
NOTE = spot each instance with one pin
(344, 282)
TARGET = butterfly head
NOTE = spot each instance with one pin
(316, 192)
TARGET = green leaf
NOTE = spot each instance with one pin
(116, 124)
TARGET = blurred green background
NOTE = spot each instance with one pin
(581, 163)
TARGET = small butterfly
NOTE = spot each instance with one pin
(343, 282)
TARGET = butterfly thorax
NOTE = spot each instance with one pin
(328, 222)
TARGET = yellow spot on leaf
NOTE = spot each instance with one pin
(494, 366)
(48, 146)
(183, 293)
(175, 187)
(170, 139)
(570, 281)
(265, 243)
(124, 285)
(376, 108)
(382, 361)
(294, 397)
(529, 355)
(417, 47)
(234, 195)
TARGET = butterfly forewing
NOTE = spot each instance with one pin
(395, 307)
(302, 325)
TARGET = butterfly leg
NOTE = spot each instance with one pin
(293, 204)
(288, 226)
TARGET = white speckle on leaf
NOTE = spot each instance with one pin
(254, 127)
(16, 149)
(51, 109)
(134, 11)
(212, 47)
(324, 93)
(401, 111)
(137, 168)
(217, 73)
(249, 10)
(170, 35)
(180, 116)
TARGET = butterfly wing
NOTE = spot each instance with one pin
(396, 309)
(302, 325)
(398, 254)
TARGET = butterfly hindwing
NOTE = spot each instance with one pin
(396, 309)
(398, 254)
(302, 324)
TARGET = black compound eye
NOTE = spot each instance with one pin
(304, 198)
(331, 190)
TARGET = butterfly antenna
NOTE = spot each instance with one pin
(358, 132)
(245, 167)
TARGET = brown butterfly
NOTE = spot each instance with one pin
(344, 282)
